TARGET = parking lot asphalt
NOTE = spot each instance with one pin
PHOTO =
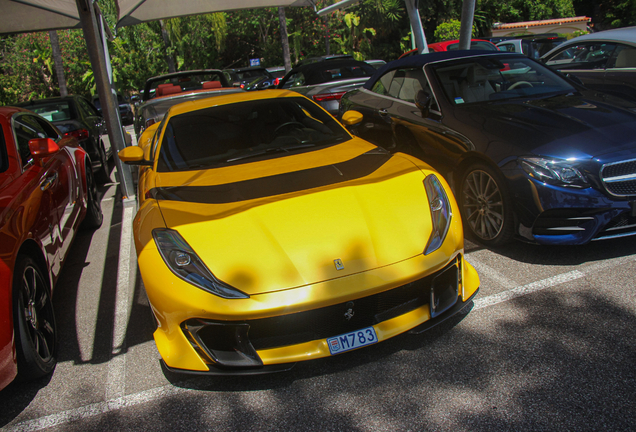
(549, 344)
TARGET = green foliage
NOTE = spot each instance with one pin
(523, 10)
(618, 13)
(370, 29)
(26, 65)
(450, 31)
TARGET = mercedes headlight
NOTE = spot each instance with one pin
(554, 171)
(440, 212)
(184, 262)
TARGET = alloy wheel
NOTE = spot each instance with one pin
(483, 205)
(36, 308)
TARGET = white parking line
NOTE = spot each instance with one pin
(92, 410)
(482, 302)
(115, 383)
(151, 395)
(489, 272)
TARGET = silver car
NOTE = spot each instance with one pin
(327, 80)
(604, 61)
(162, 92)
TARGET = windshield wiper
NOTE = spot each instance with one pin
(270, 150)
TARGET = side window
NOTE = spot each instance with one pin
(88, 109)
(294, 80)
(48, 129)
(584, 56)
(382, 85)
(507, 47)
(155, 138)
(26, 127)
(396, 83)
(81, 109)
(414, 81)
(528, 48)
(624, 57)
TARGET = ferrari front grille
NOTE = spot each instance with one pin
(341, 318)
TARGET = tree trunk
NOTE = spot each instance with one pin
(284, 38)
(59, 65)
(166, 42)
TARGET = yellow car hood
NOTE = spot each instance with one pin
(275, 227)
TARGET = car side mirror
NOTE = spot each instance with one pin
(43, 147)
(575, 79)
(423, 102)
(352, 118)
(133, 155)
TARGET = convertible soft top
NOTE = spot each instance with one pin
(422, 59)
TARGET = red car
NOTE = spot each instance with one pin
(46, 191)
(475, 44)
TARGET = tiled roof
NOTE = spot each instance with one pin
(502, 26)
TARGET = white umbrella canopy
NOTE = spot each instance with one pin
(20, 16)
(135, 11)
(38, 15)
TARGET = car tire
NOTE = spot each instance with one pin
(486, 206)
(34, 320)
(94, 216)
(103, 174)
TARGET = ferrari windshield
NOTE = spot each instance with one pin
(483, 79)
(245, 132)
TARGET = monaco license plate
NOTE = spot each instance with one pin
(352, 340)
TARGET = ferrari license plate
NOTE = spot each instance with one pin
(352, 340)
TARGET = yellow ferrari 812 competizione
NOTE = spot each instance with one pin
(267, 234)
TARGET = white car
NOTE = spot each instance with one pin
(533, 46)
(603, 61)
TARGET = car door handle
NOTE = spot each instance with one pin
(48, 182)
(383, 112)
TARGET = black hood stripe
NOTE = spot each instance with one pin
(358, 167)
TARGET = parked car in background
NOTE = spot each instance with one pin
(453, 45)
(278, 72)
(603, 61)
(75, 116)
(376, 63)
(475, 44)
(46, 191)
(533, 47)
(327, 80)
(261, 83)
(528, 152)
(323, 58)
(162, 92)
(268, 235)
(241, 77)
(126, 113)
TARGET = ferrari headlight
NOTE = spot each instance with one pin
(554, 171)
(441, 213)
(184, 262)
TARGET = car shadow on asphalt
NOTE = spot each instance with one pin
(558, 362)
(377, 353)
(102, 349)
(16, 397)
(566, 255)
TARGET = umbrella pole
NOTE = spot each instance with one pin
(107, 95)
